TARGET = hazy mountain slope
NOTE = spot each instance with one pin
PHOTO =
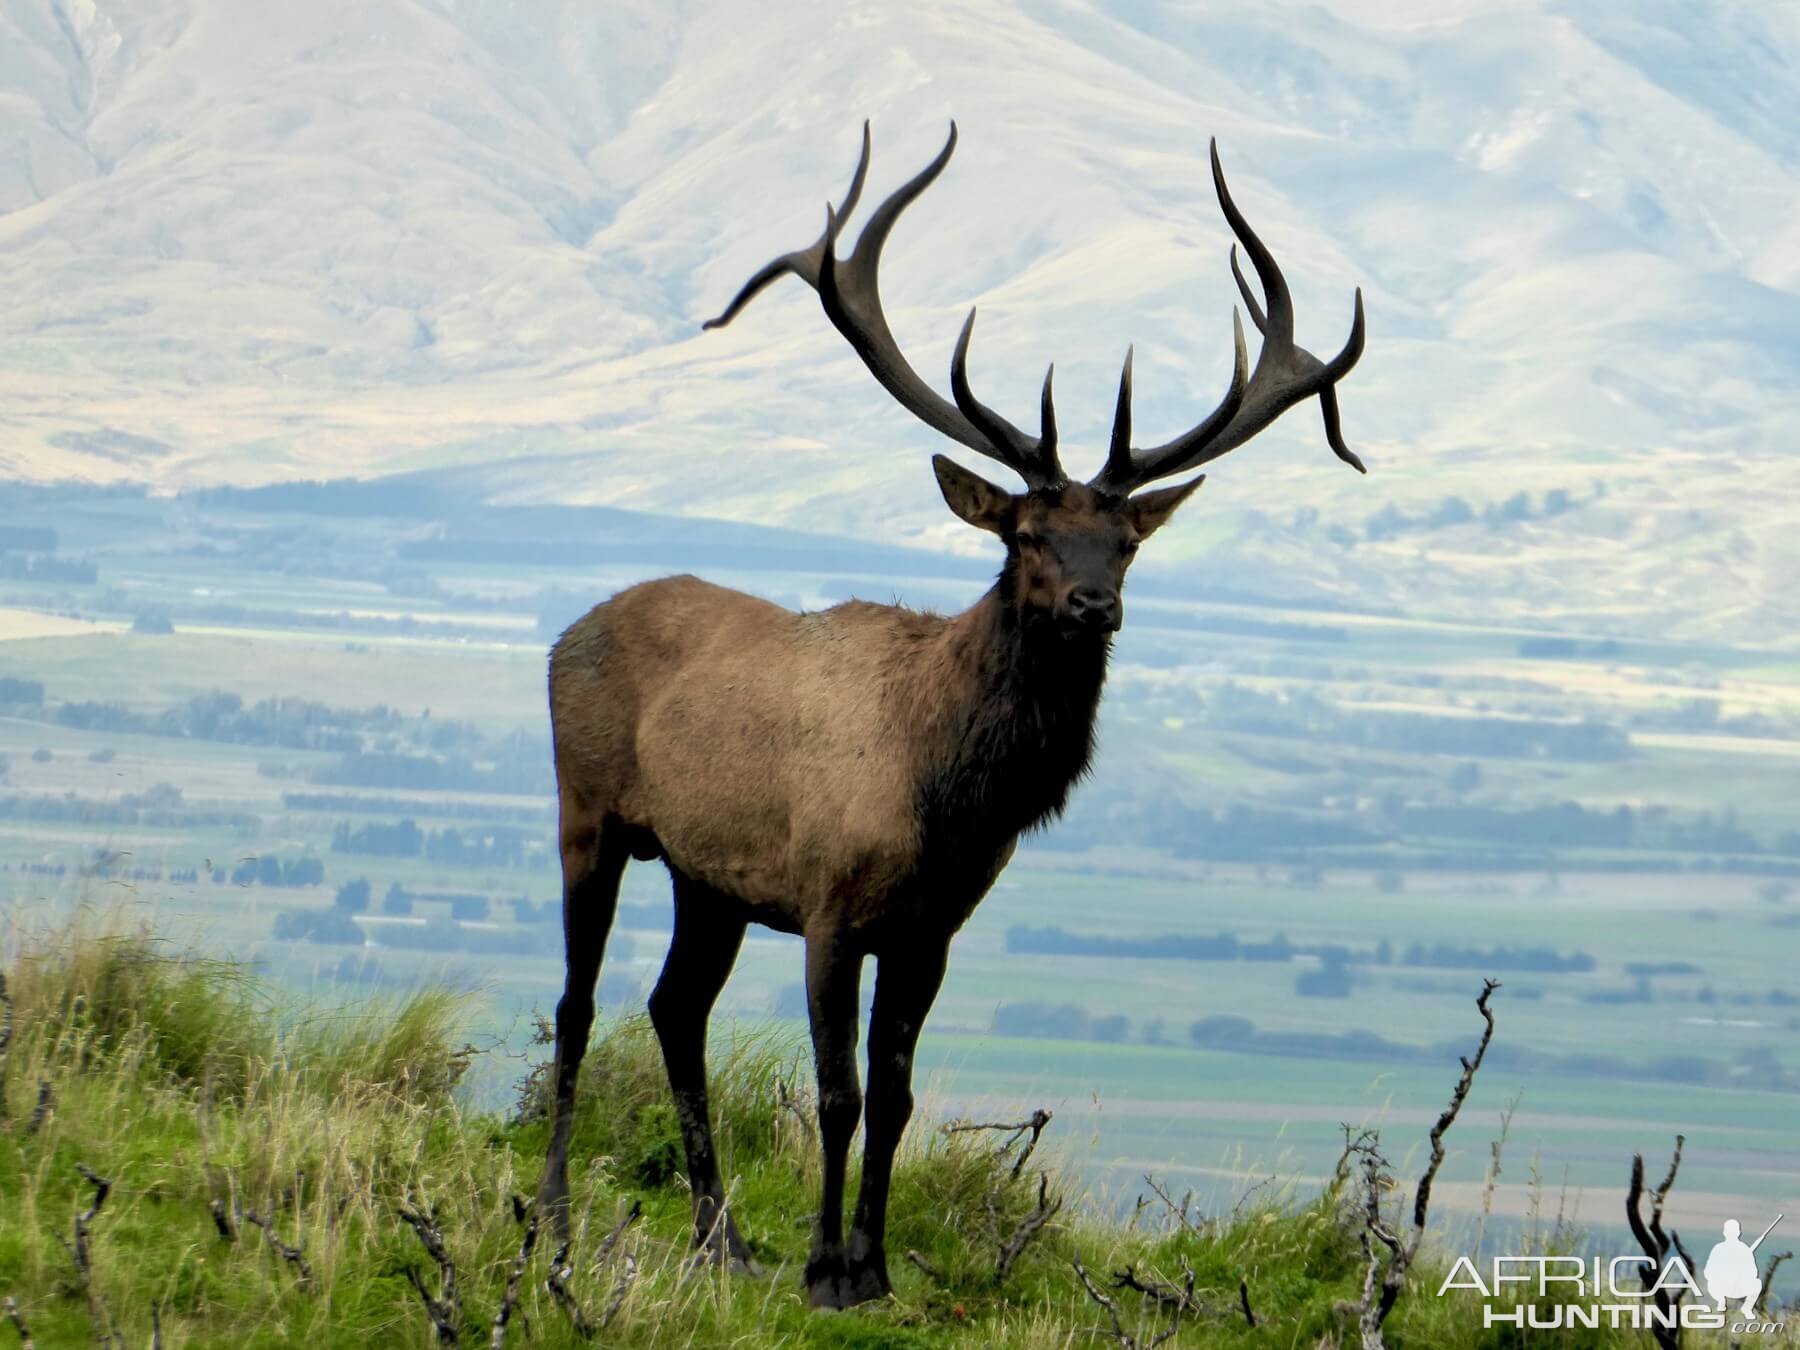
(241, 242)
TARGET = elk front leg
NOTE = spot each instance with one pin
(708, 932)
(833, 977)
(906, 983)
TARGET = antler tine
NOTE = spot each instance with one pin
(803, 263)
(850, 294)
(1034, 458)
(1285, 373)
(1127, 469)
(1118, 455)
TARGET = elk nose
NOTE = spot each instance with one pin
(1095, 607)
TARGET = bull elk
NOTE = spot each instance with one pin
(860, 776)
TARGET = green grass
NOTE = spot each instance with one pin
(184, 1082)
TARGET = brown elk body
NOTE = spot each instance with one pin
(861, 775)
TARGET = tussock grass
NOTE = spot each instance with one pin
(186, 1083)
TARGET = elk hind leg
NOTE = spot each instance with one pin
(709, 930)
(593, 861)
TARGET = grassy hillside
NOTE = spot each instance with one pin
(259, 1162)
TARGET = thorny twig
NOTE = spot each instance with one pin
(445, 1311)
(1244, 1300)
(222, 1220)
(46, 1102)
(303, 1275)
(510, 1299)
(17, 1318)
(1035, 1126)
(1029, 1226)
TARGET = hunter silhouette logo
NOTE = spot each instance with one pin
(1547, 1293)
(1731, 1268)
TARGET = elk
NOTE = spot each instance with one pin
(859, 776)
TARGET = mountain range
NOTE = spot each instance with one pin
(246, 242)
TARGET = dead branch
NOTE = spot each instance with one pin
(46, 1102)
(6, 1032)
(303, 1275)
(1245, 1198)
(1120, 1335)
(1029, 1227)
(1160, 1292)
(611, 1240)
(1656, 1244)
(1124, 1338)
(510, 1300)
(80, 1252)
(17, 1318)
(1422, 1198)
(1244, 1300)
(1382, 1287)
(445, 1311)
(156, 1326)
(931, 1271)
(1178, 1212)
(222, 1220)
(556, 1284)
(1768, 1280)
(1495, 1148)
(628, 1273)
(786, 1100)
(1039, 1119)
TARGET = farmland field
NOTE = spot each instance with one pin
(1310, 836)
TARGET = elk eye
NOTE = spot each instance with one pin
(1030, 542)
(1129, 547)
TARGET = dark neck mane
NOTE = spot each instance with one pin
(1020, 731)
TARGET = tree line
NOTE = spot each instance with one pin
(1051, 940)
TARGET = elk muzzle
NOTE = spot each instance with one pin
(1094, 609)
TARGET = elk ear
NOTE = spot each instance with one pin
(972, 497)
(1148, 510)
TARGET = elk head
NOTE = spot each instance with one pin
(1067, 544)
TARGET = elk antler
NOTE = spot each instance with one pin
(1285, 375)
(848, 289)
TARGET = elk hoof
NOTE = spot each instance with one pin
(832, 1282)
